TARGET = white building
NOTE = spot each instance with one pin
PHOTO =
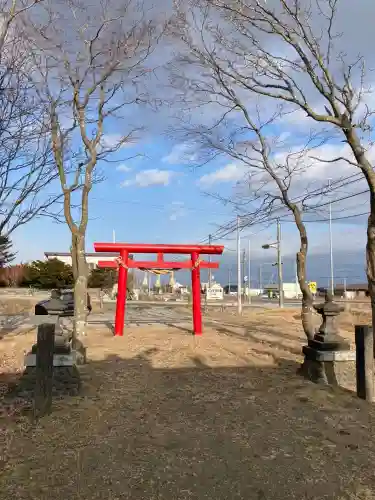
(291, 290)
(92, 259)
(182, 289)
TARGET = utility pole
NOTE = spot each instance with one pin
(279, 265)
(344, 288)
(209, 260)
(243, 271)
(113, 236)
(332, 287)
(239, 281)
(248, 272)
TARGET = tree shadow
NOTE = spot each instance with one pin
(111, 326)
(259, 329)
(180, 327)
(13, 322)
(268, 344)
(139, 431)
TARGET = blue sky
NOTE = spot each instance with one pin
(159, 197)
(164, 203)
(151, 193)
(156, 197)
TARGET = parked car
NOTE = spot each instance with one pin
(230, 289)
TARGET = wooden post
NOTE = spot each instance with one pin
(44, 370)
(364, 362)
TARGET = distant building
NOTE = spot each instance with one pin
(349, 291)
(92, 259)
(182, 289)
(291, 290)
(230, 289)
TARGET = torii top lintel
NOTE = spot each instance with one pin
(125, 249)
(159, 248)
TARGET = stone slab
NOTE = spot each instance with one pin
(58, 359)
(329, 345)
(39, 320)
(328, 355)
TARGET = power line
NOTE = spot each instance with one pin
(229, 227)
(347, 197)
(339, 183)
(333, 218)
(155, 206)
(268, 220)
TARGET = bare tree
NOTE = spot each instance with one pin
(294, 52)
(90, 67)
(26, 169)
(241, 130)
(274, 186)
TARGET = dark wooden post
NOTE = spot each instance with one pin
(44, 370)
(364, 362)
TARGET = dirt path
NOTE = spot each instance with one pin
(168, 416)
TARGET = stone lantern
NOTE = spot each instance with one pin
(327, 348)
(327, 338)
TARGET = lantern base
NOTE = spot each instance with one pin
(326, 366)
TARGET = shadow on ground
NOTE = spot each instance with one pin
(140, 432)
(10, 323)
(264, 336)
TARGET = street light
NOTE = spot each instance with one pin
(239, 283)
(277, 245)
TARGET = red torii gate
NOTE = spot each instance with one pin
(124, 262)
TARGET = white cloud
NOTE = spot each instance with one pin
(232, 172)
(123, 168)
(151, 177)
(182, 154)
(177, 209)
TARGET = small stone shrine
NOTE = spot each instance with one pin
(326, 352)
(66, 380)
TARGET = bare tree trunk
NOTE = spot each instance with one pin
(73, 252)
(370, 256)
(307, 310)
(368, 172)
(80, 286)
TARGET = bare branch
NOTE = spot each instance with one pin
(90, 66)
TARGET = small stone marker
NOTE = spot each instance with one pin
(54, 314)
(365, 362)
(44, 370)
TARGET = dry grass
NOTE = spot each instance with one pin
(165, 415)
(11, 305)
(25, 305)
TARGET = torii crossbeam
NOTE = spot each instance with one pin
(124, 262)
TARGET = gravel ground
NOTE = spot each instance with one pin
(164, 415)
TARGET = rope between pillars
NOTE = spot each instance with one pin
(121, 263)
(197, 263)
